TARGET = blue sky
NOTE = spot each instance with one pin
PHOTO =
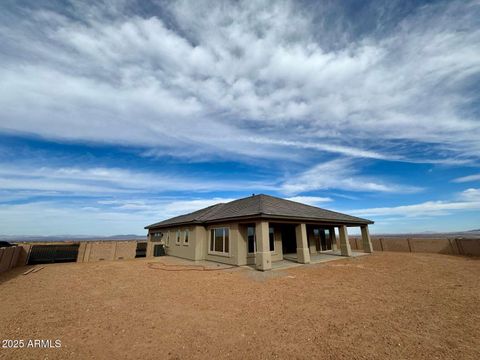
(117, 114)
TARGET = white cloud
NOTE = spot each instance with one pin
(110, 217)
(467, 200)
(470, 195)
(103, 180)
(339, 174)
(47, 218)
(430, 208)
(310, 200)
(243, 70)
(475, 177)
(337, 149)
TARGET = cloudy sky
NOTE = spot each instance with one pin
(117, 114)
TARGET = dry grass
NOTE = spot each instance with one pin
(385, 306)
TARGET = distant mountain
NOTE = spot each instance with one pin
(31, 238)
(433, 234)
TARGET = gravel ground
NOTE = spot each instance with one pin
(384, 306)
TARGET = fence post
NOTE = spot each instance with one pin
(409, 246)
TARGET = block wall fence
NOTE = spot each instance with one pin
(450, 246)
(88, 251)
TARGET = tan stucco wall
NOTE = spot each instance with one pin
(125, 250)
(101, 251)
(106, 250)
(6, 258)
(192, 251)
(24, 253)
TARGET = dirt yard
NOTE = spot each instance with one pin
(384, 306)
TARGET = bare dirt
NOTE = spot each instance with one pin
(384, 306)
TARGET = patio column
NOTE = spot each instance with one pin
(367, 242)
(149, 253)
(333, 238)
(263, 257)
(303, 254)
(344, 243)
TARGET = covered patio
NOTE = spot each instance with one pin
(304, 243)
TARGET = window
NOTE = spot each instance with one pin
(185, 237)
(219, 241)
(177, 241)
(271, 238)
(252, 246)
(167, 239)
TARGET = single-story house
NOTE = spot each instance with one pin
(256, 230)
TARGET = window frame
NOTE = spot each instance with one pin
(186, 237)
(254, 240)
(211, 238)
(177, 239)
(271, 241)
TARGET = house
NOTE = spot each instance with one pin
(256, 230)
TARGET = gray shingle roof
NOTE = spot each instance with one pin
(260, 206)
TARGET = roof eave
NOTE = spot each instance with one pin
(161, 226)
(352, 222)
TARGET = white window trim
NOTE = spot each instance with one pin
(185, 233)
(216, 253)
(177, 238)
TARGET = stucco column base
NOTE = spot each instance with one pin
(303, 253)
(149, 249)
(303, 256)
(263, 257)
(367, 242)
(263, 261)
(345, 248)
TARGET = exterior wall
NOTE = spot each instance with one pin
(81, 252)
(24, 253)
(200, 242)
(194, 250)
(468, 246)
(442, 246)
(181, 249)
(15, 256)
(11, 257)
(106, 250)
(6, 260)
(101, 251)
(125, 250)
(458, 246)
